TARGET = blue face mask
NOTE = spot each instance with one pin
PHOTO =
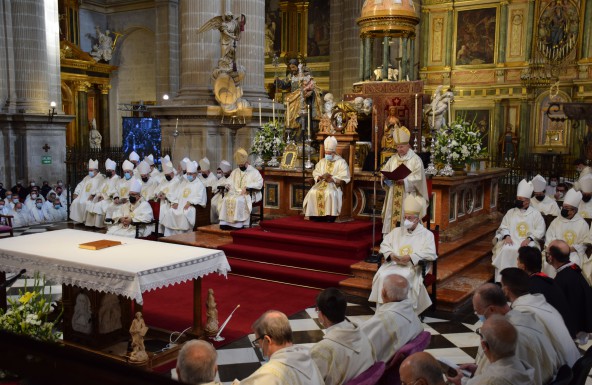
(127, 176)
(38, 205)
(481, 317)
(329, 157)
(190, 178)
(91, 173)
(15, 200)
(57, 207)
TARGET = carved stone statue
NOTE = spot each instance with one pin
(103, 50)
(329, 104)
(390, 123)
(352, 123)
(109, 314)
(367, 106)
(436, 110)
(94, 136)
(82, 320)
(211, 328)
(138, 330)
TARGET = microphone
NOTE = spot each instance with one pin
(218, 337)
(12, 280)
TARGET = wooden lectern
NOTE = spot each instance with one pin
(346, 148)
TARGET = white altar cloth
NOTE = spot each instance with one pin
(129, 269)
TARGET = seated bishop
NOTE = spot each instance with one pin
(137, 210)
(323, 201)
(236, 206)
(542, 202)
(403, 248)
(521, 226)
(85, 192)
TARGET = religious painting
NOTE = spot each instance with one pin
(272, 195)
(475, 36)
(273, 29)
(558, 28)
(452, 207)
(141, 135)
(297, 194)
(318, 28)
(482, 119)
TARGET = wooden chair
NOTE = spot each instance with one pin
(256, 206)
(6, 226)
(202, 214)
(431, 278)
(155, 205)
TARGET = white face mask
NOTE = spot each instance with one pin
(218, 175)
(408, 224)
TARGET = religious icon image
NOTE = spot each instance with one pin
(475, 36)
(558, 29)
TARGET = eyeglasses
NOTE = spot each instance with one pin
(478, 331)
(256, 341)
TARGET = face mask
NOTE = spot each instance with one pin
(218, 175)
(204, 174)
(133, 199)
(38, 205)
(15, 200)
(9, 198)
(560, 195)
(18, 210)
(109, 174)
(518, 204)
(190, 178)
(481, 317)
(168, 177)
(242, 168)
(540, 198)
(329, 157)
(586, 198)
(33, 196)
(91, 173)
(1, 207)
(564, 213)
(60, 184)
(57, 207)
(127, 176)
(553, 183)
(32, 184)
(145, 179)
(408, 224)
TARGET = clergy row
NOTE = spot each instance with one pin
(35, 209)
(524, 225)
(98, 197)
(346, 351)
(548, 199)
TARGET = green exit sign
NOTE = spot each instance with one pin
(46, 159)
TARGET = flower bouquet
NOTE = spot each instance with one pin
(459, 144)
(269, 140)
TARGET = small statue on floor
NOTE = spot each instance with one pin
(211, 328)
(138, 330)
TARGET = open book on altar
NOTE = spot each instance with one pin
(399, 173)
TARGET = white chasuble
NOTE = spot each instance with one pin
(180, 219)
(325, 198)
(84, 190)
(547, 207)
(575, 233)
(235, 208)
(138, 212)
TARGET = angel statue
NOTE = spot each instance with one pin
(436, 110)
(230, 30)
(103, 50)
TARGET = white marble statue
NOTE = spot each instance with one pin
(94, 136)
(103, 50)
(436, 110)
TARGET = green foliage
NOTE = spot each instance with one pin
(269, 136)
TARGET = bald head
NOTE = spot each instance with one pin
(196, 363)
(395, 288)
(489, 298)
(559, 252)
(421, 365)
(500, 337)
(274, 324)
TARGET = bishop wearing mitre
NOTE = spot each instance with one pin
(323, 201)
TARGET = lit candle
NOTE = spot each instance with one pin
(308, 125)
(260, 123)
(287, 122)
(273, 109)
(177, 125)
(416, 110)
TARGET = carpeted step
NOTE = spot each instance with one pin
(293, 275)
(356, 286)
(287, 258)
(461, 259)
(353, 249)
(340, 231)
(458, 290)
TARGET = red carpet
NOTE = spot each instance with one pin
(171, 307)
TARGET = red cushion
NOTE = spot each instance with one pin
(5, 229)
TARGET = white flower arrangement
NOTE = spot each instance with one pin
(460, 144)
(268, 139)
(28, 315)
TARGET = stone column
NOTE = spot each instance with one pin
(4, 40)
(82, 113)
(367, 57)
(30, 56)
(167, 47)
(425, 37)
(361, 61)
(350, 40)
(449, 31)
(405, 58)
(250, 49)
(586, 44)
(336, 48)
(524, 126)
(529, 26)
(53, 53)
(412, 75)
(199, 52)
(503, 32)
(385, 57)
(103, 124)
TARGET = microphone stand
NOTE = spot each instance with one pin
(374, 256)
(218, 337)
(8, 283)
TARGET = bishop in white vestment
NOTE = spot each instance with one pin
(85, 192)
(207, 177)
(543, 203)
(236, 206)
(396, 191)
(521, 226)
(403, 248)
(585, 206)
(137, 210)
(102, 206)
(571, 228)
(167, 186)
(222, 175)
(325, 197)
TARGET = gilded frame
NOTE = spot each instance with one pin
(476, 17)
(289, 158)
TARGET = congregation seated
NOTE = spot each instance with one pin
(575, 287)
(222, 174)
(571, 228)
(394, 323)
(136, 211)
(543, 203)
(273, 337)
(85, 192)
(323, 201)
(167, 185)
(421, 366)
(499, 340)
(345, 351)
(21, 216)
(515, 285)
(236, 206)
(57, 212)
(530, 260)
(37, 213)
(197, 363)
(521, 226)
(149, 184)
(179, 215)
(20, 190)
(31, 199)
(533, 345)
(403, 248)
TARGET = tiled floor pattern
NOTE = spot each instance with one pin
(453, 336)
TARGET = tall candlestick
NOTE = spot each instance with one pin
(260, 123)
(415, 110)
(449, 114)
(177, 124)
(273, 109)
(287, 122)
(308, 125)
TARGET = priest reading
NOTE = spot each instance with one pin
(323, 201)
(403, 248)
